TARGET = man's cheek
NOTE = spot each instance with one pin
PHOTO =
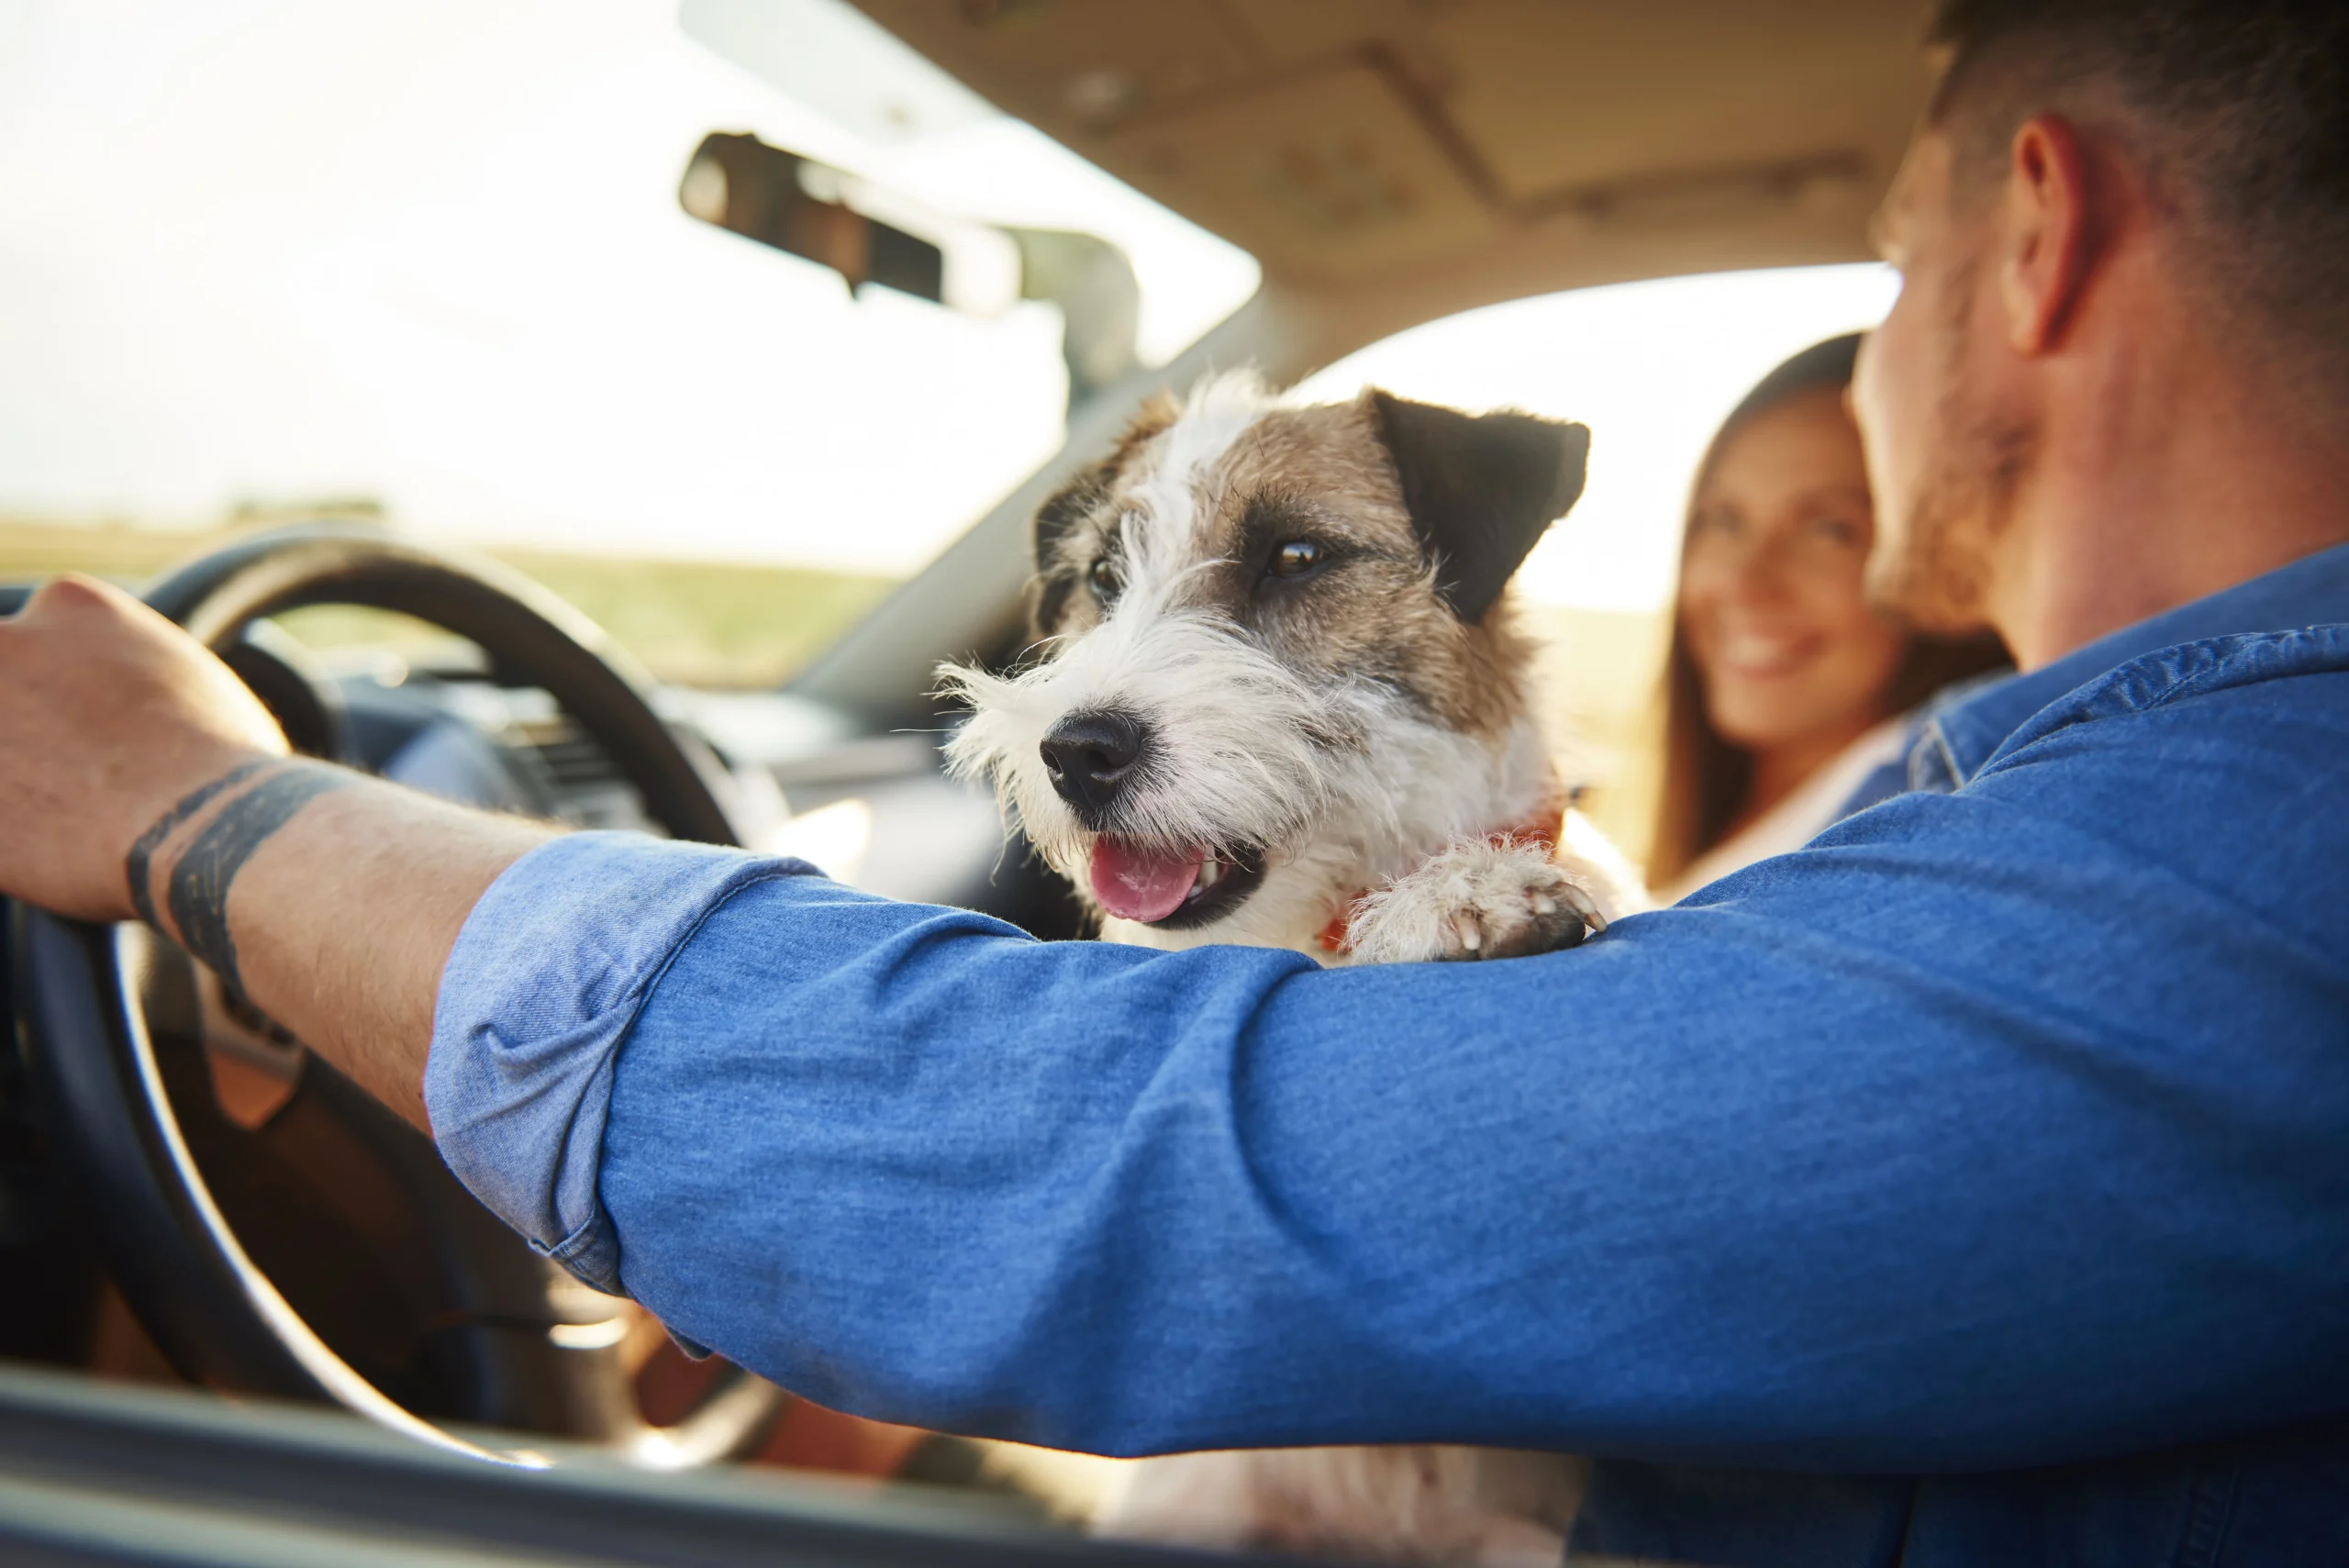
(1884, 409)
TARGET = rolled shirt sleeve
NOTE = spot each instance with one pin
(546, 978)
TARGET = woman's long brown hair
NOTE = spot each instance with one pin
(1704, 777)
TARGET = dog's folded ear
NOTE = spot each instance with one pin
(1481, 489)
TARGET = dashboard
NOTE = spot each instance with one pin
(873, 810)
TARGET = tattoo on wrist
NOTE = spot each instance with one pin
(135, 863)
(199, 883)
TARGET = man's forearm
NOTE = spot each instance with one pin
(330, 899)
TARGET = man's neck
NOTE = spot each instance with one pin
(2173, 487)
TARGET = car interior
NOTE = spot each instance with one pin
(250, 1316)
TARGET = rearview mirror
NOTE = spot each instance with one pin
(761, 193)
(831, 217)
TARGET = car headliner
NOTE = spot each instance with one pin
(1389, 161)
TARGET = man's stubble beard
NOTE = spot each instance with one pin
(1934, 570)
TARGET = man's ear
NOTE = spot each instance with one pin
(2045, 260)
(1481, 489)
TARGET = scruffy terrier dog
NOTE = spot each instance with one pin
(1281, 702)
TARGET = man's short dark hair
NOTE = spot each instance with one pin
(2236, 112)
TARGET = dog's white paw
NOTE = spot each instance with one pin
(1480, 899)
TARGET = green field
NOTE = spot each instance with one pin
(696, 623)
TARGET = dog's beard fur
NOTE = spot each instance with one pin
(1333, 782)
(1336, 790)
(1248, 757)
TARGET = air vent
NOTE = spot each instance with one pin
(587, 787)
(576, 762)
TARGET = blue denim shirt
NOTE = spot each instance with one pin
(1981, 1168)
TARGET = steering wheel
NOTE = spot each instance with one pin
(366, 1276)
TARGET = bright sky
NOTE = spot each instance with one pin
(431, 252)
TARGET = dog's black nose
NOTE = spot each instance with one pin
(1091, 755)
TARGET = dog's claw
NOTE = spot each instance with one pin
(1464, 927)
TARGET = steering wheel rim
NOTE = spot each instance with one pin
(212, 1312)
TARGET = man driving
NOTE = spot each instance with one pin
(1982, 1167)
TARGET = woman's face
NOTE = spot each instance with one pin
(1770, 597)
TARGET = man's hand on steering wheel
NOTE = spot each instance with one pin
(140, 777)
(112, 716)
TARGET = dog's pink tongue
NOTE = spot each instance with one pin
(1134, 883)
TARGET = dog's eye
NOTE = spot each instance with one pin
(1105, 581)
(1297, 558)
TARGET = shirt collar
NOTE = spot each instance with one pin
(1961, 729)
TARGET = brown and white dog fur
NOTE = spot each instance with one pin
(1280, 700)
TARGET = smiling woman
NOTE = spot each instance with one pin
(1784, 689)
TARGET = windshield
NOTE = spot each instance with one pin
(426, 264)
